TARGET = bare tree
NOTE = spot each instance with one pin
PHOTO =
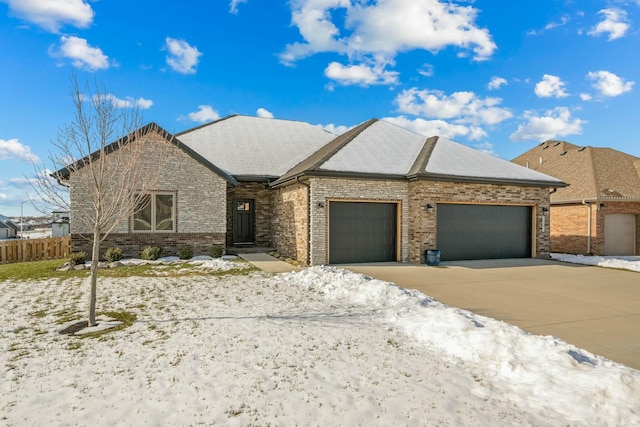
(100, 179)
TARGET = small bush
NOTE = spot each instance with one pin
(185, 253)
(113, 254)
(78, 258)
(216, 251)
(151, 253)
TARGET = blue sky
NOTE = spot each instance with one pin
(500, 76)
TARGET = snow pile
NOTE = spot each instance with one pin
(323, 346)
(536, 372)
(631, 263)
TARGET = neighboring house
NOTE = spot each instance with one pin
(60, 224)
(376, 193)
(598, 213)
(8, 230)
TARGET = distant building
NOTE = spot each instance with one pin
(60, 224)
(8, 230)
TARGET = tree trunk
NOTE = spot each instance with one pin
(95, 257)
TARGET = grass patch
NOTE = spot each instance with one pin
(37, 270)
(126, 317)
(42, 270)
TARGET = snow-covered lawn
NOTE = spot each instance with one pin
(319, 347)
(631, 263)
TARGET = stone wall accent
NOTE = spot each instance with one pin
(260, 193)
(200, 195)
(290, 221)
(422, 224)
(325, 189)
(133, 243)
(569, 225)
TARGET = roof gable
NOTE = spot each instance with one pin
(131, 138)
(247, 146)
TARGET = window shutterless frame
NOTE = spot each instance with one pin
(156, 213)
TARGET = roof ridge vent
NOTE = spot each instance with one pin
(556, 144)
(582, 148)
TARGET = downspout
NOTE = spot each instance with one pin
(308, 218)
(588, 225)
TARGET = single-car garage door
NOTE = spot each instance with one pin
(483, 232)
(619, 234)
(362, 232)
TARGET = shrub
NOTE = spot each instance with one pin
(151, 253)
(185, 253)
(216, 251)
(77, 258)
(113, 254)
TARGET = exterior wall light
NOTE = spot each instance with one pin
(430, 209)
(320, 205)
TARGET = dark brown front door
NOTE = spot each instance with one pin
(243, 221)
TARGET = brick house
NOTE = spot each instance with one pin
(376, 193)
(599, 212)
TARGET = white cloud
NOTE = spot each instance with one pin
(615, 23)
(426, 70)
(362, 74)
(487, 147)
(335, 129)
(608, 84)
(550, 26)
(182, 57)
(233, 6)
(264, 113)
(550, 86)
(128, 102)
(82, 55)
(437, 127)
(53, 14)
(463, 107)
(12, 149)
(385, 28)
(585, 96)
(204, 114)
(554, 123)
(496, 82)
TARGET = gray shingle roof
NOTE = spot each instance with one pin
(255, 147)
(593, 173)
(386, 150)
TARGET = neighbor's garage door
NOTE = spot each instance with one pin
(483, 232)
(362, 232)
(619, 234)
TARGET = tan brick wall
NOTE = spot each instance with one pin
(200, 194)
(422, 224)
(290, 221)
(570, 229)
(261, 194)
(569, 226)
(325, 189)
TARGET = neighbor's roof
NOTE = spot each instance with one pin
(380, 148)
(7, 223)
(593, 173)
(248, 147)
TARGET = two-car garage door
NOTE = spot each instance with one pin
(466, 232)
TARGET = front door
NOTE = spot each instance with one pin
(243, 221)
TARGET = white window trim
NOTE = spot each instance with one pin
(153, 195)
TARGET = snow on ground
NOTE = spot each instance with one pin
(323, 346)
(631, 263)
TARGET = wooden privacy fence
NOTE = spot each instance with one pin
(34, 249)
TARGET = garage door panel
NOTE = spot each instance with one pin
(619, 234)
(483, 231)
(362, 232)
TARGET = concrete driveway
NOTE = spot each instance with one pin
(594, 308)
